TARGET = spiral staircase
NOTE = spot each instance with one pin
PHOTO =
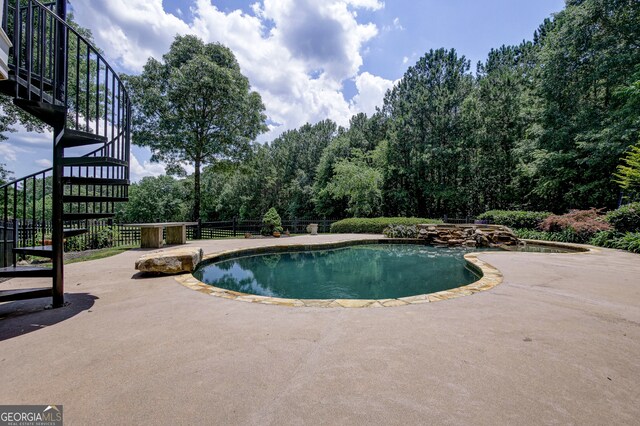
(57, 76)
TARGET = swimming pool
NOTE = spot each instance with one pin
(369, 271)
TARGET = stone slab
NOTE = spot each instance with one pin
(171, 261)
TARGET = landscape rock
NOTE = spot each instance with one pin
(470, 235)
(171, 261)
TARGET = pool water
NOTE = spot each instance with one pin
(372, 271)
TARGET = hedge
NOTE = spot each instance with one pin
(629, 241)
(626, 218)
(515, 218)
(359, 225)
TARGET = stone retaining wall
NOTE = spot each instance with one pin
(470, 235)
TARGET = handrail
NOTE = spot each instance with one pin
(93, 93)
(26, 177)
(78, 35)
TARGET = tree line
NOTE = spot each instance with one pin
(548, 124)
(542, 125)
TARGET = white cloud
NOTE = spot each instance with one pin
(371, 91)
(43, 162)
(147, 168)
(8, 152)
(138, 171)
(405, 59)
(296, 54)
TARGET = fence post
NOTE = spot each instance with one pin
(198, 230)
(235, 226)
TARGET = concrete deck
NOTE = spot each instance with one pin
(558, 342)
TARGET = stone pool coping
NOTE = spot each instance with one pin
(491, 276)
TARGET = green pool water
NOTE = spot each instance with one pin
(376, 271)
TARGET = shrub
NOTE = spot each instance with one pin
(603, 238)
(515, 218)
(103, 238)
(358, 225)
(75, 243)
(566, 236)
(401, 231)
(271, 222)
(626, 218)
(580, 225)
(629, 241)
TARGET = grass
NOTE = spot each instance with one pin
(100, 253)
(90, 255)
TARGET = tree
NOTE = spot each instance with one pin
(422, 175)
(360, 184)
(628, 175)
(154, 199)
(195, 107)
(495, 121)
(580, 126)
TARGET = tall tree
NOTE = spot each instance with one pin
(580, 128)
(495, 122)
(195, 107)
(422, 175)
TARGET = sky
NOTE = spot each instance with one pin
(310, 60)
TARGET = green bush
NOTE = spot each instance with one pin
(75, 243)
(564, 236)
(103, 238)
(603, 238)
(626, 218)
(271, 222)
(515, 218)
(358, 225)
(629, 241)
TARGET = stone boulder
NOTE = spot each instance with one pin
(171, 261)
(470, 235)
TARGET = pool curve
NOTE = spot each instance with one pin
(490, 277)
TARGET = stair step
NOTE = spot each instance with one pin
(72, 232)
(8, 86)
(53, 115)
(93, 161)
(35, 80)
(92, 199)
(25, 272)
(41, 251)
(83, 216)
(70, 138)
(75, 180)
(25, 293)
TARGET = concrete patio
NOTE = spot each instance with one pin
(558, 342)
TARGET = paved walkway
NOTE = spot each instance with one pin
(558, 342)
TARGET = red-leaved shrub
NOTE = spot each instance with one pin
(584, 223)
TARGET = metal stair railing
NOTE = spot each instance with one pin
(57, 75)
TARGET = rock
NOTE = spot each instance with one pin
(170, 261)
(469, 235)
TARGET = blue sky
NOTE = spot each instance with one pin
(309, 59)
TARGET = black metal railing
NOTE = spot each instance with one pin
(54, 65)
(25, 204)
